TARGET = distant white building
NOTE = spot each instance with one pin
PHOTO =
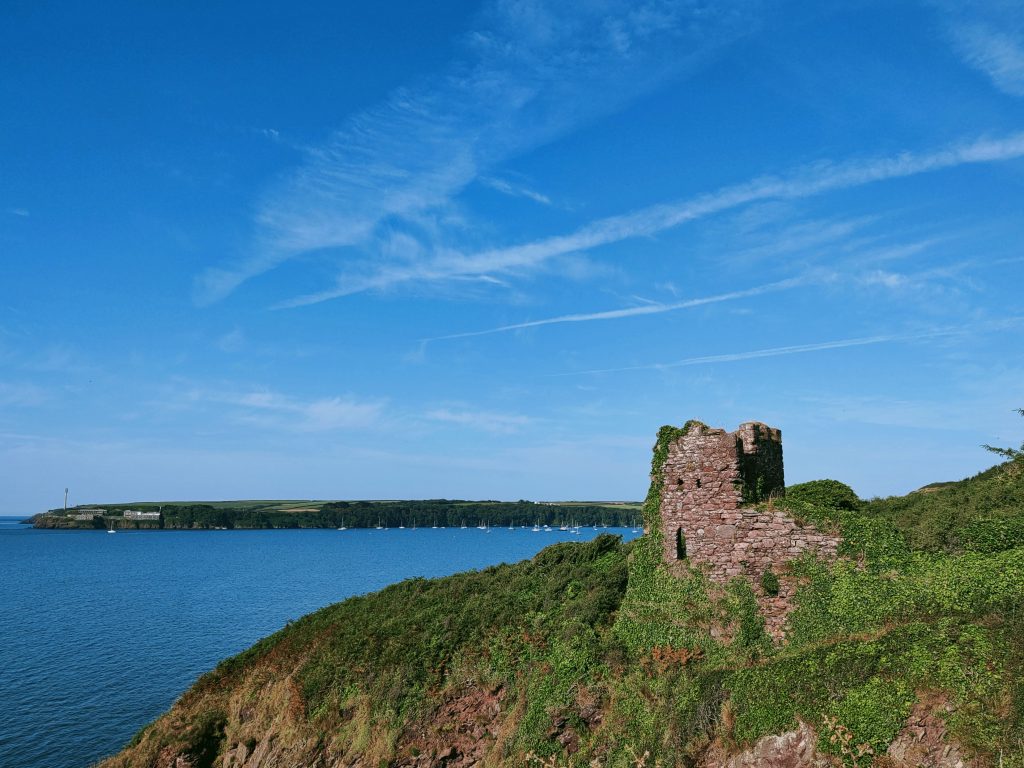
(135, 514)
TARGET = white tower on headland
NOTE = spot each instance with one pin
(65, 500)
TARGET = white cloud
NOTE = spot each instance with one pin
(530, 72)
(804, 236)
(884, 278)
(489, 421)
(272, 409)
(814, 180)
(995, 53)
(22, 395)
(650, 308)
(514, 190)
(989, 36)
(22, 212)
(795, 349)
(232, 341)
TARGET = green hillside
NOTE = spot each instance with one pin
(599, 651)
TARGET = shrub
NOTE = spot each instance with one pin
(824, 493)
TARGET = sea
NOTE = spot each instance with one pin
(100, 633)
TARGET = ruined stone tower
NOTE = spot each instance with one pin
(711, 479)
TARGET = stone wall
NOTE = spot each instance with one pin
(708, 477)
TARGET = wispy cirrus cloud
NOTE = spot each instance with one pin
(814, 180)
(276, 410)
(18, 395)
(529, 72)
(989, 36)
(652, 308)
(794, 349)
(514, 190)
(794, 238)
(488, 421)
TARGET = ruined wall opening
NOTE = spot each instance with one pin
(680, 544)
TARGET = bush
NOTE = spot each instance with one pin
(824, 493)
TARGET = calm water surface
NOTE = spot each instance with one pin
(100, 633)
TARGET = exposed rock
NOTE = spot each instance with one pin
(923, 739)
(792, 749)
(460, 732)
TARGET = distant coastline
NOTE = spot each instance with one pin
(290, 514)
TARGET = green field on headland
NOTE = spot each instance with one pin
(261, 514)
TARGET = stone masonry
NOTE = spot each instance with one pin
(711, 480)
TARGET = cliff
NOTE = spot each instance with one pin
(96, 522)
(602, 653)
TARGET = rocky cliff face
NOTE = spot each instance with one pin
(472, 726)
(97, 522)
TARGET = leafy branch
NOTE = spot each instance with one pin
(1013, 454)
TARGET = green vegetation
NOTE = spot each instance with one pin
(353, 514)
(830, 494)
(770, 583)
(539, 628)
(601, 651)
(984, 513)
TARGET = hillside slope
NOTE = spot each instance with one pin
(599, 651)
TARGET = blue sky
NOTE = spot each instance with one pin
(391, 250)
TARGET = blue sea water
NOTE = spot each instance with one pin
(100, 633)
